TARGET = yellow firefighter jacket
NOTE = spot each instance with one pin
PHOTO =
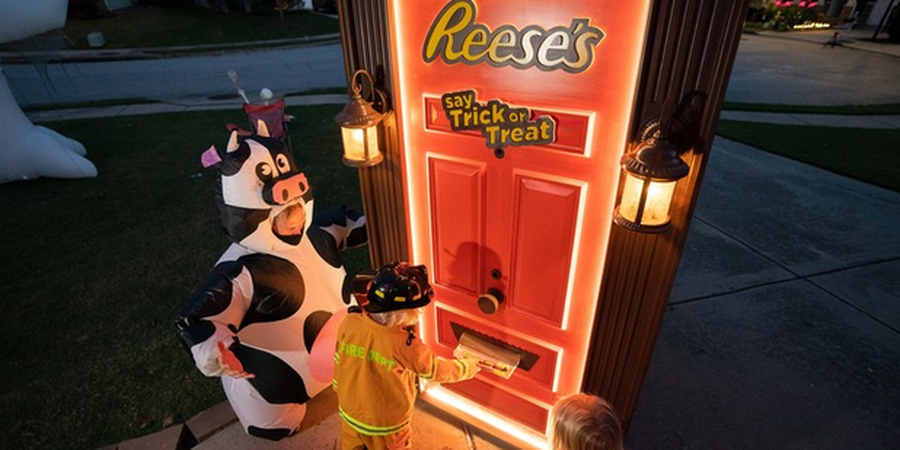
(375, 374)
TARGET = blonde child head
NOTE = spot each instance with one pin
(585, 422)
(400, 318)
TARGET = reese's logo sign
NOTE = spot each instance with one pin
(500, 124)
(456, 37)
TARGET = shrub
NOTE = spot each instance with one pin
(785, 18)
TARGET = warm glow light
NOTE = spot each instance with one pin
(811, 25)
(656, 207)
(402, 87)
(439, 394)
(360, 144)
(573, 264)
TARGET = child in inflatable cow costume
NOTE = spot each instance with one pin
(265, 318)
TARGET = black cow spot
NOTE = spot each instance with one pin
(232, 162)
(325, 246)
(312, 326)
(210, 298)
(275, 381)
(278, 288)
(347, 289)
(192, 333)
(238, 222)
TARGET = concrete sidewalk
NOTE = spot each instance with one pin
(783, 330)
(856, 38)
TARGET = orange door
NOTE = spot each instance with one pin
(527, 223)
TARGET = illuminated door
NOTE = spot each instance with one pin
(525, 224)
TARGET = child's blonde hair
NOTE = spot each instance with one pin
(585, 422)
(397, 318)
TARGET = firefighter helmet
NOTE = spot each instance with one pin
(397, 285)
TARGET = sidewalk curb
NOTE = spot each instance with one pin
(171, 106)
(846, 41)
(131, 54)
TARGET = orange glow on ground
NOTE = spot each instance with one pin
(481, 417)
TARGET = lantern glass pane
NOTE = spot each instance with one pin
(631, 197)
(356, 140)
(659, 198)
(353, 143)
(372, 141)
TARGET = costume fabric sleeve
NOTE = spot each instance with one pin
(214, 314)
(436, 369)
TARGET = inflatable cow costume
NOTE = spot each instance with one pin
(265, 318)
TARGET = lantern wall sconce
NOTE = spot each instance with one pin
(359, 122)
(654, 167)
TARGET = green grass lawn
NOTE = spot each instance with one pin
(94, 270)
(868, 155)
(147, 27)
(887, 108)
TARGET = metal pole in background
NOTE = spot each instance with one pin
(887, 12)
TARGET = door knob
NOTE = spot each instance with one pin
(490, 301)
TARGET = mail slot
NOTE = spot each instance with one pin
(494, 357)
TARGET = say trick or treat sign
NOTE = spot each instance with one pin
(555, 81)
(501, 124)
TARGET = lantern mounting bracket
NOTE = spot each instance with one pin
(677, 124)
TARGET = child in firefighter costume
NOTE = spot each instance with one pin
(378, 358)
(265, 318)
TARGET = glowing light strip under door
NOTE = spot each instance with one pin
(412, 177)
(475, 410)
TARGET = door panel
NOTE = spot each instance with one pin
(457, 217)
(543, 233)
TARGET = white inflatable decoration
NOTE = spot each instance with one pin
(28, 151)
(275, 298)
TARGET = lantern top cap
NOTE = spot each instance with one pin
(359, 112)
(655, 159)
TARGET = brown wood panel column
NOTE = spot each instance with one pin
(690, 51)
(365, 40)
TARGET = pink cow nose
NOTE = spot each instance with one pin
(286, 190)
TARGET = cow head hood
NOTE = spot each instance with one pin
(259, 180)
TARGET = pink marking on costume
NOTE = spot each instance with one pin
(210, 157)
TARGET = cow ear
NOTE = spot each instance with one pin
(262, 129)
(232, 142)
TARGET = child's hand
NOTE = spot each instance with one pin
(473, 366)
(230, 365)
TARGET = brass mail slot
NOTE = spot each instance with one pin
(499, 360)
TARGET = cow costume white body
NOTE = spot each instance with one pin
(274, 301)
